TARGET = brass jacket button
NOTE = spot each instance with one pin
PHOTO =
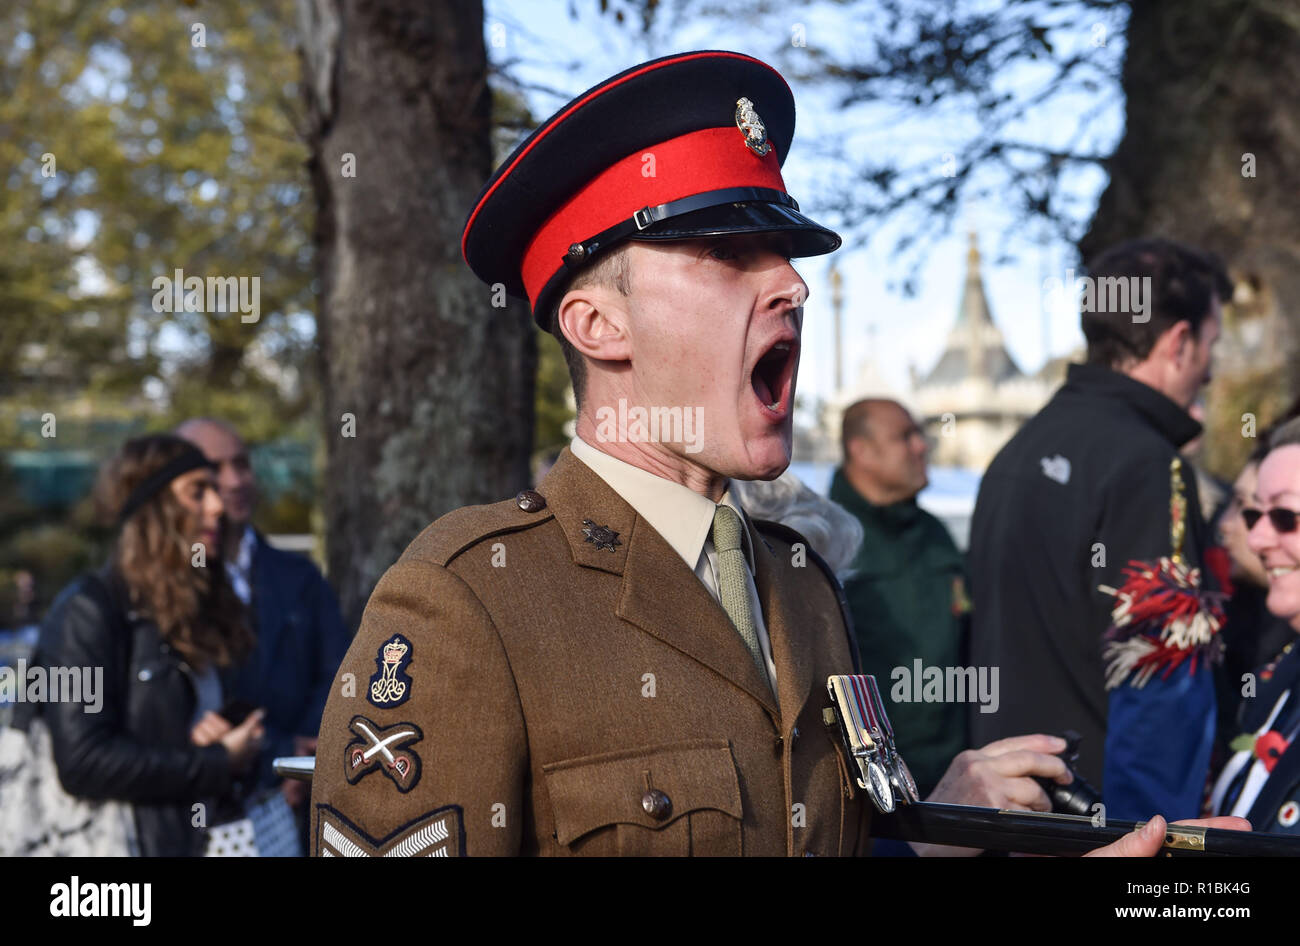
(530, 500)
(656, 804)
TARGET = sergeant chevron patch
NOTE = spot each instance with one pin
(379, 747)
(440, 833)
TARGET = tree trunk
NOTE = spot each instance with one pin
(1211, 156)
(428, 389)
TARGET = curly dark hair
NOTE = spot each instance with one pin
(196, 610)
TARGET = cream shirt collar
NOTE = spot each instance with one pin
(682, 516)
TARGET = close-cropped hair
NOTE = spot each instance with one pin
(611, 270)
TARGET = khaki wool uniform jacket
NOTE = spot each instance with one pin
(562, 695)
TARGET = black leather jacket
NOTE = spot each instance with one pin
(137, 747)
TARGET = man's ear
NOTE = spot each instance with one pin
(1175, 341)
(1169, 345)
(594, 320)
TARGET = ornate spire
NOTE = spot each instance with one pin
(974, 308)
(975, 348)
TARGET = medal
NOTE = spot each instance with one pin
(900, 776)
(878, 786)
(869, 738)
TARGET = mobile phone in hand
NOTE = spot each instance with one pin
(236, 711)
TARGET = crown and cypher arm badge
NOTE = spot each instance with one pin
(390, 685)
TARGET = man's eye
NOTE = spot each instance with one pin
(722, 253)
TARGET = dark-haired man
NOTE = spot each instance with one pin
(1083, 489)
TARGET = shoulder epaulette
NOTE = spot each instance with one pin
(466, 527)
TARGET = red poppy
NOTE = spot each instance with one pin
(1269, 748)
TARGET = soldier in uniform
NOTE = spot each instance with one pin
(621, 662)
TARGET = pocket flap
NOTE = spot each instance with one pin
(595, 791)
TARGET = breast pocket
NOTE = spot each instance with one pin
(673, 800)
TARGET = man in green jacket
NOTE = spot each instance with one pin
(907, 589)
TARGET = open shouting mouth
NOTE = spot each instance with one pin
(773, 375)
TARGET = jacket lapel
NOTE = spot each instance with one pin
(1279, 788)
(1286, 772)
(660, 594)
(789, 621)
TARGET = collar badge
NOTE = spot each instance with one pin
(603, 537)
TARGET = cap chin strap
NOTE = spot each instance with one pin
(580, 253)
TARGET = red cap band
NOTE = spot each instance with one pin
(695, 163)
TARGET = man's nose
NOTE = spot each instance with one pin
(787, 287)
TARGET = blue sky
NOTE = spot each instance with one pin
(541, 39)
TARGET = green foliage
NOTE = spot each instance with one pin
(136, 139)
(137, 145)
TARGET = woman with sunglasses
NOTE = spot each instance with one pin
(162, 622)
(1251, 635)
(1261, 781)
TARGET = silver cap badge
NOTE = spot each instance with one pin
(747, 121)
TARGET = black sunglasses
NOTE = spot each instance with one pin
(1283, 520)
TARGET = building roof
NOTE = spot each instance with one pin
(975, 347)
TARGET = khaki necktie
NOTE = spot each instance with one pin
(732, 587)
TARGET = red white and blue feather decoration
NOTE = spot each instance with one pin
(1162, 614)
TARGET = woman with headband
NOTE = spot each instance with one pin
(162, 622)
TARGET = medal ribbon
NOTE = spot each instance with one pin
(878, 707)
(865, 713)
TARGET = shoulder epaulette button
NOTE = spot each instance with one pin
(530, 500)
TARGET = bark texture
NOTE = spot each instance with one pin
(428, 389)
(1211, 156)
